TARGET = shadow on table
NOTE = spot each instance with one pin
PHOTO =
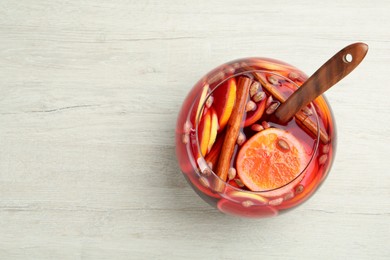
(170, 197)
(185, 205)
(171, 206)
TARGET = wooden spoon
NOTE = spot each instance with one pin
(331, 72)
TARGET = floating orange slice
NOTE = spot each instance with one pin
(202, 99)
(274, 65)
(224, 98)
(270, 159)
(204, 130)
(249, 206)
(213, 154)
(207, 130)
(213, 129)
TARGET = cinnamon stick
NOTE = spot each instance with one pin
(300, 116)
(311, 126)
(232, 131)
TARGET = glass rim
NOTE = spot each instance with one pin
(226, 183)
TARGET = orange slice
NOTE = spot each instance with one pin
(274, 65)
(239, 195)
(224, 98)
(213, 154)
(271, 159)
(204, 129)
(202, 99)
(213, 129)
(247, 206)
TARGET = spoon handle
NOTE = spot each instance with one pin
(331, 72)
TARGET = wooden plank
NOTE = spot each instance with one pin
(89, 94)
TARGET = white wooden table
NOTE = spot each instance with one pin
(89, 94)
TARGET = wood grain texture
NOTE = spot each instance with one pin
(325, 77)
(89, 94)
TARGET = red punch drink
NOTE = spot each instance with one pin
(233, 152)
